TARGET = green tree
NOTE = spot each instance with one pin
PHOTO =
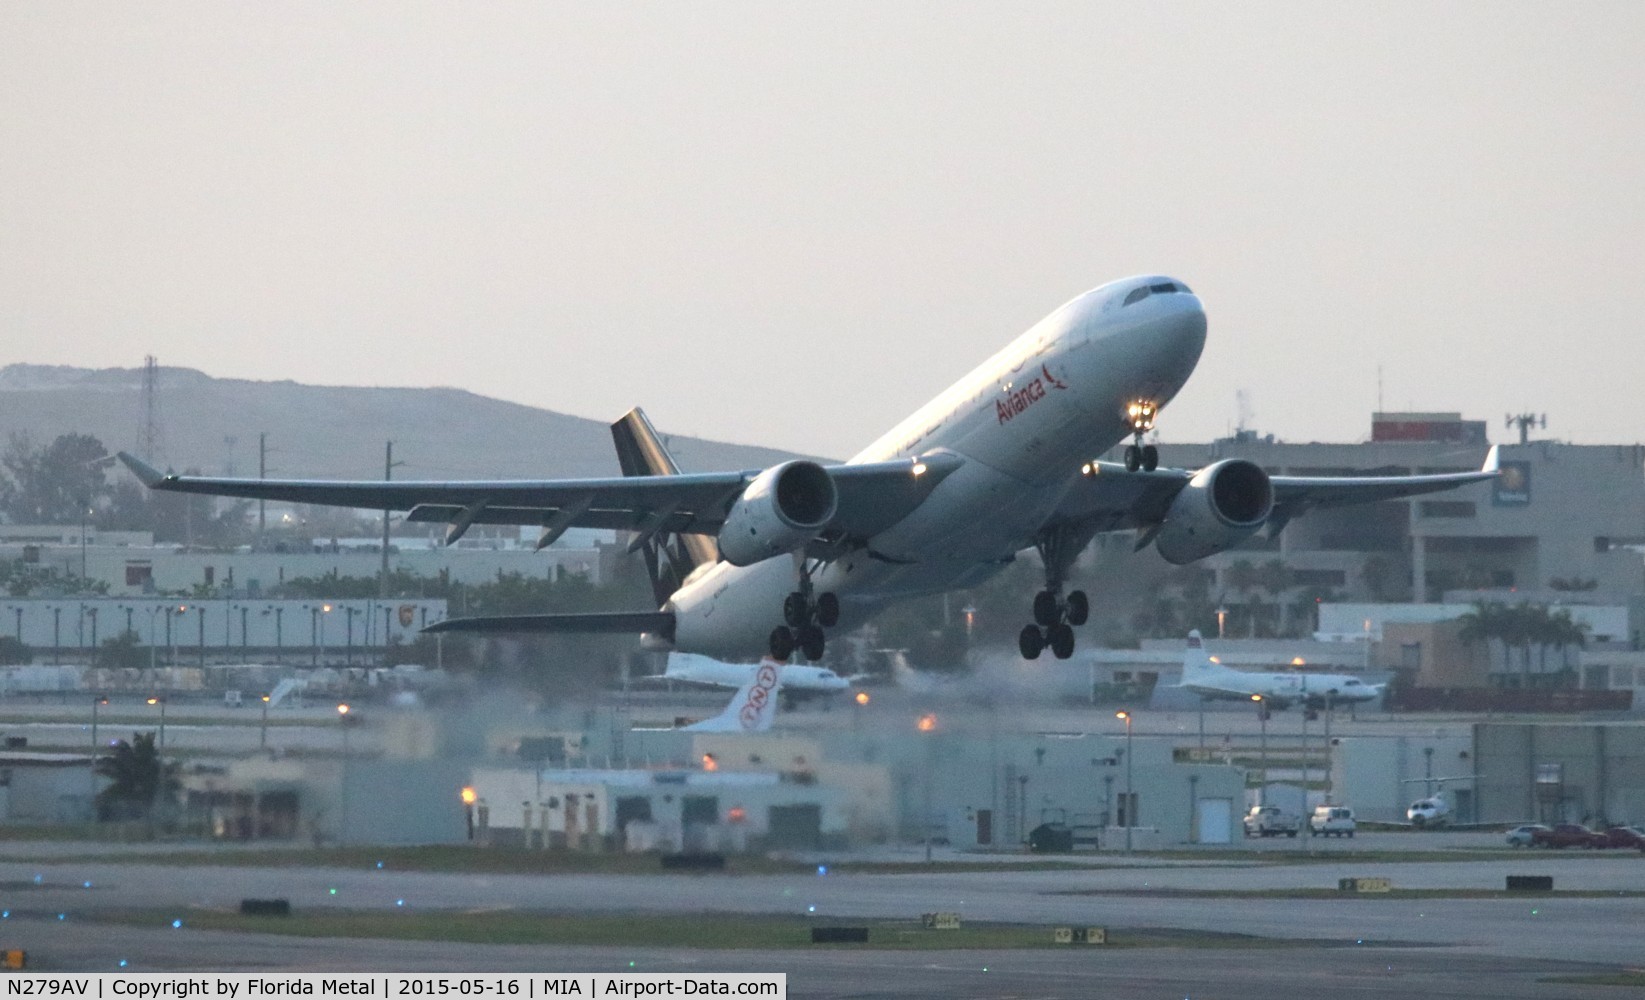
(57, 484)
(139, 780)
(14, 653)
(122, 651)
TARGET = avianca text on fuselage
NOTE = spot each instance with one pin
(1018, 400)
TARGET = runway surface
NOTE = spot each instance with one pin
(1355, 947)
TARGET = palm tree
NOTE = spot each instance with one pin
(1566, 631)
(138, 779)
(1482, 625)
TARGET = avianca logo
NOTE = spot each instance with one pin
(765, 679)
(1019, 400)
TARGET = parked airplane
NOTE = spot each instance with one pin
(799, 680)
(1003, 461)
(753, 707)
(1208, 678)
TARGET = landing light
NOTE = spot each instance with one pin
(468, 795)
(919, 468)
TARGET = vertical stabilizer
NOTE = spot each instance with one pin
(1196, 662)
(754, 706)
(669, 559)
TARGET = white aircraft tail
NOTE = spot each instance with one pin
(752, 708)
(1196, 662)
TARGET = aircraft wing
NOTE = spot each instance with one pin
(1111, 498)
(871, 497)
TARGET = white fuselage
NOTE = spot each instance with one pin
(1217, 681)
(1024, 421)
(691, 668)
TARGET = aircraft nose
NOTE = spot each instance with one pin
(1169, 344)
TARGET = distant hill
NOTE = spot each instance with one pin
(330, 431)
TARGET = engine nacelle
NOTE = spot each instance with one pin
(1224, 504)
(782, 509)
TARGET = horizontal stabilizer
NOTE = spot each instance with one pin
(633, 622)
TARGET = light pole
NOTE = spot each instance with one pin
(342, 718)
(153, 612)
(171, 633)
(262, 737)
(161, 701)
(1130, 796)
(97, 701)
(351, 611)
(1262, 717)
(927, 725)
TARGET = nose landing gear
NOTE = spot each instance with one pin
(1140, 415)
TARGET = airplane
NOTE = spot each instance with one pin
(1433, 809)
(1429, 811)
(752, 708)
(1001, 462)
(799, 680)
(1204, 675)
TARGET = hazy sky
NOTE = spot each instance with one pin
(792, 224)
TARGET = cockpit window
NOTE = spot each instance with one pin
(1159, 288)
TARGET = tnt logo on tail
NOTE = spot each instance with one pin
(753, 707)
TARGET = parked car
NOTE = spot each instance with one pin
(1625, 837)
(1524, 836)
(1331, 821)
(1271, 821)
(1569, 835)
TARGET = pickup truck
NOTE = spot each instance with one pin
(1271, 821)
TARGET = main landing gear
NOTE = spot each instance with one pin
(1054, 614)
(805, 615)
(1054, 621)
(1138, 455)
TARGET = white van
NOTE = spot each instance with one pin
(1330, 821)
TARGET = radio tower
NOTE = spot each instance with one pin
(151, 409)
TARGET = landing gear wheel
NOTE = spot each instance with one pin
(1079, 608)
(1150, 458)
(1133, 458)
(1046, 612)
(795, 611)
(1060, 638)
(828, 610)
(811, 642)
(1030, 642)
(781, 643)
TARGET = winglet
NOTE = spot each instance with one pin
(1491, 465)
(148, 474)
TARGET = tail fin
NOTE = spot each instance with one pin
(754, 706)
(668, 559)
(1195, 660)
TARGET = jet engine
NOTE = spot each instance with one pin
(782, 509)
(1224, 504)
